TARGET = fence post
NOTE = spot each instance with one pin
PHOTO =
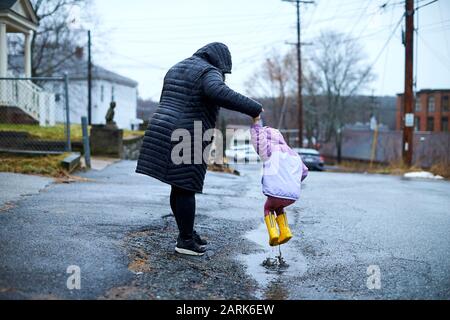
(373, 152)
(66, 92)
(86, 147)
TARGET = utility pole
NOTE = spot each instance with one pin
(299, 71)
(89, 79)
(408, 97)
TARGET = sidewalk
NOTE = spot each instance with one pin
(15, 186)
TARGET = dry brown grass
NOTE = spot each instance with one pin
(441, 169)
(48, 165)
(222, 168)
(56, 132)
(393, 168)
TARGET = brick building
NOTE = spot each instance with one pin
(431, 110)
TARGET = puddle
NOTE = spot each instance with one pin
(265, 268)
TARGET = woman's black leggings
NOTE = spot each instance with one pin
(182, 202)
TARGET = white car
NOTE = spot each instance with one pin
(242, 153)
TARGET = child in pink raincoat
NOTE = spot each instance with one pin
(283, 172)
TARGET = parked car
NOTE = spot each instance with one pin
(242, 153)
(311, 158)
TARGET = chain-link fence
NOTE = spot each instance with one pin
(34, 115)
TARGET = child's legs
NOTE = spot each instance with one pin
(267, 207)
(276, 204)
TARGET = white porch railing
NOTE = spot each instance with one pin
(30, 98)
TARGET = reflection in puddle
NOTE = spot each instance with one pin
(270, 269)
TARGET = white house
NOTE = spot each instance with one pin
(107, 86)
(16, 16)
(40, 103)
(21, 96)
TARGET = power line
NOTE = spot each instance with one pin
(369, 69)
(427, 4)
(387, 41)
(360, 17)
(442, 59)
(311, 19)
(445, 38)
(386, 58)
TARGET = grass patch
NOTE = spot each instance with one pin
(394, 168)
(441, 169)
(56, 132)
(133, 133)
(49, 165)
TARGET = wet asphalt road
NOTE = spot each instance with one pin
(118, 229)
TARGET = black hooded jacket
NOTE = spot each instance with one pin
(193, 90)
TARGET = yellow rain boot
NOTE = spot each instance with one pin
(272, 229)
(285, 232)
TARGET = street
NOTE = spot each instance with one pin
(116, 226)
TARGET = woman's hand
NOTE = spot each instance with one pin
(258, 118)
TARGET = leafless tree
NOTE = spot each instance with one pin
(312, 107)
(275, 80)
(340, 71)
(56, 42)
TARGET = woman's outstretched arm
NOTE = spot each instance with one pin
(215, 89)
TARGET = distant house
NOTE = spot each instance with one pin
(16, 16)
(22, 100)
(431, 110)
(107, 86)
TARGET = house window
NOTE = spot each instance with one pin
(431, 105)
(417, 104)
(102, 93)
(417, 123)
(430, 124)
(445, 104)
(444, 124)
(112, 93)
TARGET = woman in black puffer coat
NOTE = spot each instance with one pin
(193, 90)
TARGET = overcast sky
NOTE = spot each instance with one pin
(141, 39)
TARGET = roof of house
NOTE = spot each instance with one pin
(7, 5)
(79, 71)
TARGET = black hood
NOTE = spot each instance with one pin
(217, 54)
